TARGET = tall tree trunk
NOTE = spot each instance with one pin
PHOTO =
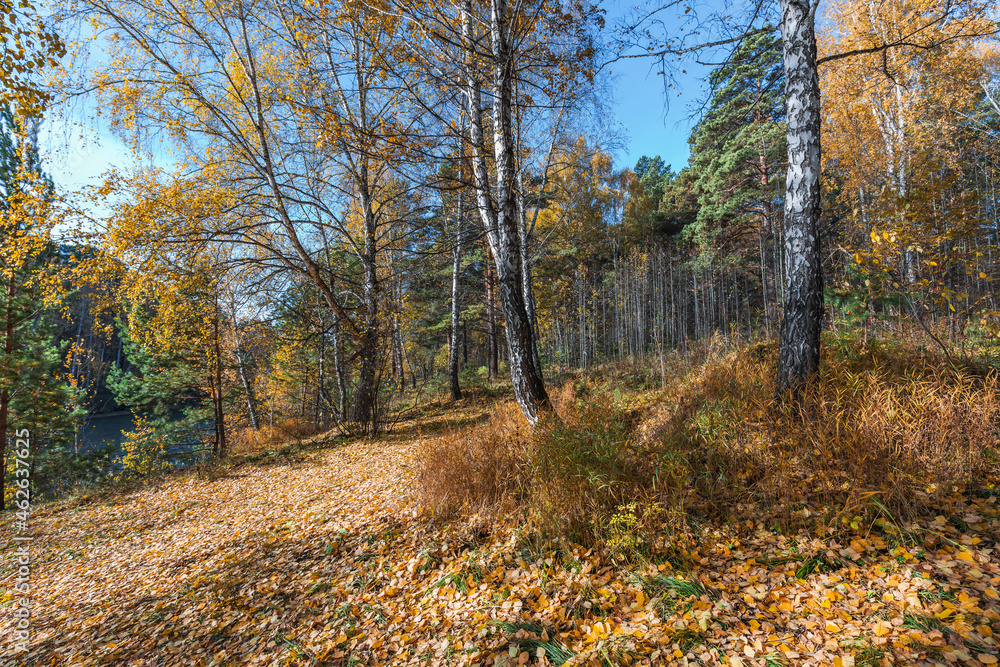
(529, 299)
(220, 415)
(397, 337)
(74, 367)
(364, 412)
(697, 311)
(803, 316)
(322, 393)
(397, 366)
(491, 325)
(465, 344)
(499, 214)
(766, 273)
(764, 285)
(338, 369)
(247, 389)
(456, 266)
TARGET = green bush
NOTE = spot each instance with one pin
(585, 464)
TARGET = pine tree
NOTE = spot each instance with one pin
(738, 147)
(738, 158)
(34, 392)
(652, 179)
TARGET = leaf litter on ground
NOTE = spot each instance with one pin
(325, 559)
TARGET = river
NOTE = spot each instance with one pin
(100, 429)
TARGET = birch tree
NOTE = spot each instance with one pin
(502, 65)
(497, 203)
(289, 109)
(802, 319)
(27, 47)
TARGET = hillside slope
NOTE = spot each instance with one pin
(321, 558)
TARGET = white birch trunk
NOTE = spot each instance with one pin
(803, 315)
(498, 209)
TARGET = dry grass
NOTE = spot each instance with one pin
(891, 431)
(564, 477)
(585, 463)
(888, 427)
(480, 469)
(247, 441)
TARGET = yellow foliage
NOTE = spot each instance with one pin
(28, 47)
(894, 138)
(143, 451)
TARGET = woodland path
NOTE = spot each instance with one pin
(319, 557)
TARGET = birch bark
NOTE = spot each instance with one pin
(498, 208)
(803, 315)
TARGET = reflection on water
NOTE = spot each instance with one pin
(100, 429)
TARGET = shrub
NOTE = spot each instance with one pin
(60, 471)
(480, 469)
(143, 451)
(889, 429)
(57, 470)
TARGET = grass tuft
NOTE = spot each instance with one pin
(521, 636)
(889, 432)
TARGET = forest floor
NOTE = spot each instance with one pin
(319, 555)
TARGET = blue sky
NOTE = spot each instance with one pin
(78, 154)
(79, 151)
(659, 121)
(656, 124)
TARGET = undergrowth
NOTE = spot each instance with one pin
(249, 441)
(888, 433)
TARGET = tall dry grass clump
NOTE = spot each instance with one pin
(585, 464)
(889, 427)
(564, 477)
(479, 469)
(247, 441)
